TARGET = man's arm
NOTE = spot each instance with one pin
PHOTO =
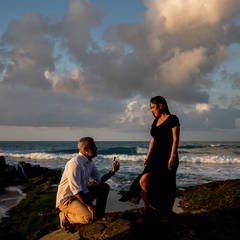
(115, 168)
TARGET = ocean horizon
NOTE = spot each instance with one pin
(200, 161)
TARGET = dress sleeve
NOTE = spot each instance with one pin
(174, 121)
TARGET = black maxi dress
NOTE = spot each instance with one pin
(162, 184)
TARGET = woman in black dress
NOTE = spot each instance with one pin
(158, 180)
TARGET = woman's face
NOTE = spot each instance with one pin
(156, 109)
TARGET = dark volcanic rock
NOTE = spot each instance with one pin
(36, 214)
(215, 195)
(216, 208)
(2, 174)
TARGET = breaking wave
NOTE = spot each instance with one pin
(185, 158)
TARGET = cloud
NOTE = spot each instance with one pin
(190, 62)
(29, 44)
(179, 42)
(74, 28)
(173, 51)
(193, 117)
(196, 13)
(206, 117)
(236, 101)
(233, 78)
(26, 106)
(74, 84)
(135, 114)
(28, 52)
(203, 107)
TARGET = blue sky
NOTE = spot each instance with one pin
(116, 11)
(93, 71)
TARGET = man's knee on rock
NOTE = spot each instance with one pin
(86, 219)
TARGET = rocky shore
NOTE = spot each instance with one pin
(211, 211)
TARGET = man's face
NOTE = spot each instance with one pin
(91, 150)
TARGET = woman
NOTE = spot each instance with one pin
(158, 180)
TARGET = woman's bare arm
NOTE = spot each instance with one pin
(149, 151)
(176, 134)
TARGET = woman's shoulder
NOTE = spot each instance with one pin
(174, 120)
(173, 116)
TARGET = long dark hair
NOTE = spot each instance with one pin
(161, 100)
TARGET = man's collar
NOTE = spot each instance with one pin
(84, 158)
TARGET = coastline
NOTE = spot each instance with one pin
(12, 197)
(212, 208)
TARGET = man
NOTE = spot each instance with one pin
(74, 197)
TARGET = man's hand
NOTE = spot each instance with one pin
(115, 166)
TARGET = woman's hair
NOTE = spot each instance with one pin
(161, 100)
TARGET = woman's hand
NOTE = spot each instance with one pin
(170, 163)
(173, 163)
(145, 161)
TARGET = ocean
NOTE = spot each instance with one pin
(200, 162)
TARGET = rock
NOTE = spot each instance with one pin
(113, 226)
(38, 215)
(215, 195)
(29, 171)
(118, 228)
(2, 162)
(2, 174)
(217, 202)
(61, 235)
(91, 231)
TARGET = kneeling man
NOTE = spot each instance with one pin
(74, 197)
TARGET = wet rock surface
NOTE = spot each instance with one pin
(212, 212)
(215, 220)
(217, 195)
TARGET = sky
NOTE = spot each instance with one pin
(74, 68)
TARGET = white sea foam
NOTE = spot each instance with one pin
(123, 157)
(187, 158)
(213, 159)
(141, 150)
(9, 199)
(215, 145)
(39, 156)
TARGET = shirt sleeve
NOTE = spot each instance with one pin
(74, 173)
(96, 175)
(174, 121)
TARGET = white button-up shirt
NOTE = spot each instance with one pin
(75, 177)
